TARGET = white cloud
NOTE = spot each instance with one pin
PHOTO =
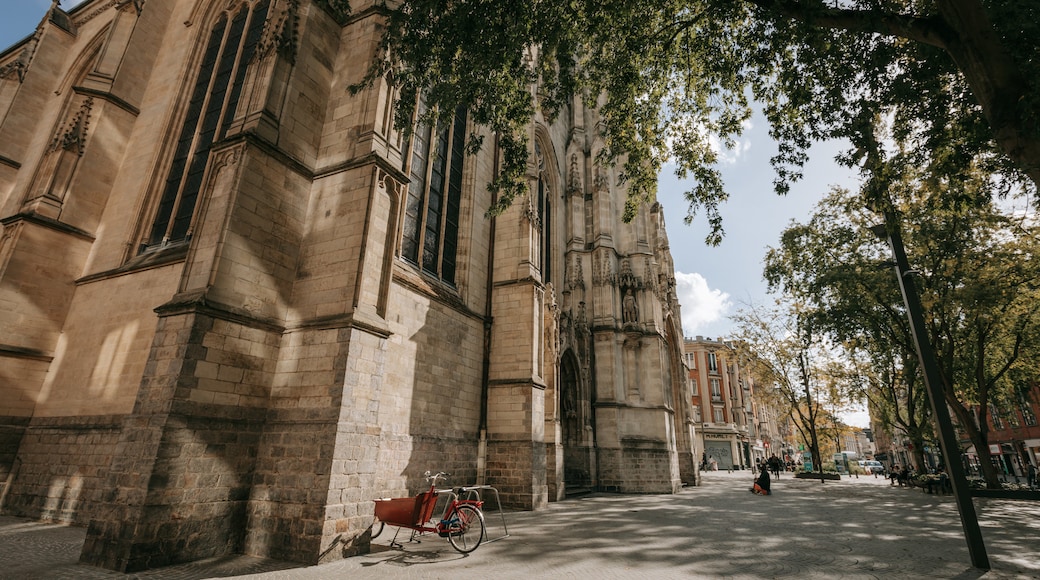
(701, 305)
(727, 156)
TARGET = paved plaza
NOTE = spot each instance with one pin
(855, 528)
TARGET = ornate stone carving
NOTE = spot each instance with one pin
(19, 66)
(552, 325)
(574, 277)
(387, 183)
(74, 137)
(226, 158)
(627, 278)
(603, 268)
(602, 180)
(650, 278)
(81, 20)
(339, 9)
(281, 33)
(530, 214)
(574, 182)
(138, 5)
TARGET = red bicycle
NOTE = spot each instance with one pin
(462, 522)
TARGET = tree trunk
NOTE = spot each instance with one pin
(995, 80)
(978, 439)
(814, 449)
(919, 454)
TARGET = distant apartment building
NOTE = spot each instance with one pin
(732, 426)
(1013, 439)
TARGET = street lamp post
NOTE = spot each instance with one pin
(947, 438)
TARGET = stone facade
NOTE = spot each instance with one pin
(234, 311)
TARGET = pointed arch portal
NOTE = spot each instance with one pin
(576, 427)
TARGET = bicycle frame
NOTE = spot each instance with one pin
(462, 518)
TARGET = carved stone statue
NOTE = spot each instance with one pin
(629, 310)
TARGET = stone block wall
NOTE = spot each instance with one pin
(11, 431)
(60, 473)
(178, 485)
(638, 467)
(517, 469)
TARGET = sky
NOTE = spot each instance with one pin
(712, 282)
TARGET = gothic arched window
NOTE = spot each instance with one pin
(230, 46)
(543, 207)
(431, 218)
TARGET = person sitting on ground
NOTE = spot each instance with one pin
(762, 486)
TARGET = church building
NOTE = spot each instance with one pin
(237, 305)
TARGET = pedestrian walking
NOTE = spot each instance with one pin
(774, 465)
(1031, 476)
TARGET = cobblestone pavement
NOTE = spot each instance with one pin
(856, 528)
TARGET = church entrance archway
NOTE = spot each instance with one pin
(576, 428)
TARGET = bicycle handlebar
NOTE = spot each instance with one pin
(434, 477)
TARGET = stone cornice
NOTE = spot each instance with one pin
(48, 223)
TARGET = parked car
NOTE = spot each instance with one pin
(871, 466)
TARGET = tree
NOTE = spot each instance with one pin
(831, 262)
(891, 384)
(960, 78)
(780, 352)
(978, 288)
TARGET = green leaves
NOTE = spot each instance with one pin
(672, 77)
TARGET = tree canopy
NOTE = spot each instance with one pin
(959, 78)
(977, 285)
(784, 359)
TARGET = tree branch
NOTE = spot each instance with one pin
(931, 31)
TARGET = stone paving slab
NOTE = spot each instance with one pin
(855, 528)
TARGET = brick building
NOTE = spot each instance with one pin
(732, 425)
(1014, 434)
(236, 305)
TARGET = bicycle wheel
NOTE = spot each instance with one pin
(466, 530)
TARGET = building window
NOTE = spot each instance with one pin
(1028, 416)
(211, 109)
(713, 363)
(1012, 419)
(719, 417)
(693, 386)
(995, 418)
(716, 389)
(544, 201)
(431, 218)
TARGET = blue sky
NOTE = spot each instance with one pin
(713, 282)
